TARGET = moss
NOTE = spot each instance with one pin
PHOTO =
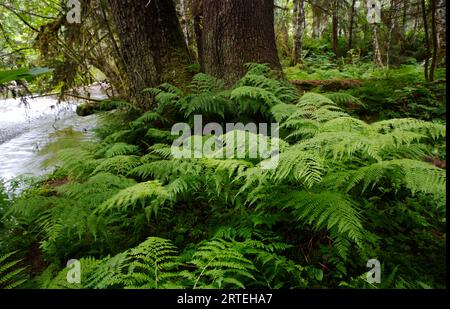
(90, 108)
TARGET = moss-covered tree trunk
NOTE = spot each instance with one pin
(152, 45)
(236, 32)
(299, 28)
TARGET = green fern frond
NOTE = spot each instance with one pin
(283, 111)
(120, 149)
(254, 99)
(297, 165)
(202, 83)
(415, 175)
(154, 264)
(118, 136)
(119, 165)
(327, 210)
(218, 261)
(150, 195)
(11, 275)
(207, 103)
(109, 273)
(164, 151)
(148, 118)
(433, 130)
(343, 99)
(166, 170)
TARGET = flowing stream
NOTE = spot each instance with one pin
(25, 128)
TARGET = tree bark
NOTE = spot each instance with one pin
(352, 23)
(317, 18)
(441, 30)
(376, 47)
(237, 32)
(335, 30)
(435, 38)
(299, 28)
(197, 14)
(152, 45)
(427, 38)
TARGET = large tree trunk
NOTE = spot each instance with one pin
(237, 32)
(152, 45)
(299, 28)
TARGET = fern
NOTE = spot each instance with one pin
(120, 149)
(148, 118)
(327, 210)
(221, 265)
(149, 195)
(207, 103)
(415, 175)
(11, 275)
(119, 165)
(343, 99)
(109, 273)
(202, 83)
(254, 99)
(154, 264)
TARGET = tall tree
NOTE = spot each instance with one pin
(427, 38)
(236, 32)
(335, 27)
(441, 29)
(352, 24)
(320, 16)
(152, 44)
(299, 28)
(435, 38)
(197, 16)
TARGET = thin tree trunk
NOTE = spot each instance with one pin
(434, 35)
(376, 47)
(197, 14)
(352, 22)
(184, 26)
(427, 39)
(441, 30)
(317, 18)
(299, 23)
(392, 22)
(237, 32)
(405, 19)
(335, 29)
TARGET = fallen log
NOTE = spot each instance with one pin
(327, 85)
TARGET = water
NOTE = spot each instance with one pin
(26, 128)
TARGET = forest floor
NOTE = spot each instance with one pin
(385, 93)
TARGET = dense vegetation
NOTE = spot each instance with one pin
(347, 190)
(362, 158)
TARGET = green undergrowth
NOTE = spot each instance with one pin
(398, 92)
(345, 191)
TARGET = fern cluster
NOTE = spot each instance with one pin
(344, 191)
